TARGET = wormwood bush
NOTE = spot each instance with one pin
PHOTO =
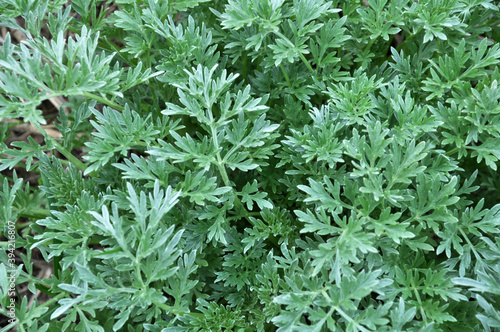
(255, 165)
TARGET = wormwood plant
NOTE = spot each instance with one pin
(254, 165)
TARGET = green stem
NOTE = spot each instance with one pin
(470, 244)
(287, 79)
(452, 151)
(249, 214)
(220, 165)
(244, 69)
(105, 252)
(138, 273)
(56, 259)
(409, 39)
(138, 145)
(13, 124)
(349, 319)
(22, 225)
(36, 214)
(52, 300)
(417, 295)
(302, 57)
(368, 47)
(308, 65)
(75, 161)
(170, 309)
(103, 100)
(389, 44)
(455, 149)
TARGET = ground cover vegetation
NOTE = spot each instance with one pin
(250, 165)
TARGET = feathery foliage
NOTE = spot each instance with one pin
(255, 165)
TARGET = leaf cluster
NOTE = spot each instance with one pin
(253, 165)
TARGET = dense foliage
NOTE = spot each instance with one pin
(253, 165)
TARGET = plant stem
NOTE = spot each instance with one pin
(103, 100)
(455, 149)
(75, 161)
(222, 169)
(409, 39)
(52, 300)
(56, 259)
(13, 124)
(417, 295)
(244, 69)
(452, 151)
(302, 57)
(349, 319)
(470, 244)
(389, 44)
(308, 65)
(22, 225)
(249, 214)
(105, 252)
(220, 164)
(170, 309)
(287, 79)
